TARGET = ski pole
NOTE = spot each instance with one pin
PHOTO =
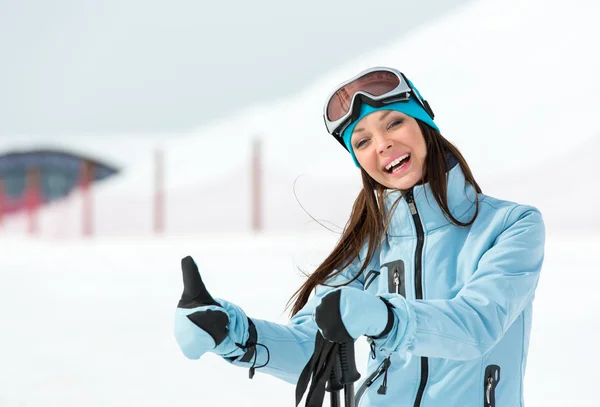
(349, 373)
(334, 386)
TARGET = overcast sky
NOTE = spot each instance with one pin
(148, 66)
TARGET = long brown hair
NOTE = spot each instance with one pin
(369, 220)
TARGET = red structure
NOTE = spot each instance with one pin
(86, 178)
(33, 197)
(256, 186)
(30, 179)
(1, 200)
(159, 194)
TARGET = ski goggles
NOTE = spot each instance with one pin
(377, 87)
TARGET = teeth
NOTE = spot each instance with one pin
(396, 161)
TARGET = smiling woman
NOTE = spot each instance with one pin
(438, 277)
(457, 269)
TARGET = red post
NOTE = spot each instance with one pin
(85, 179)
(256, 186)
(1, 200)
(159, 193)
(33, 196)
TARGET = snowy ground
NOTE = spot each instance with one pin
(90, 323)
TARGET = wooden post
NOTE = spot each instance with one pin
(159, 198)
(2, 200)
(33, 195)
(86, 178)
(256, 186)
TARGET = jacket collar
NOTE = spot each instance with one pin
(461, 201)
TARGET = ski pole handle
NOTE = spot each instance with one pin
(348, 362)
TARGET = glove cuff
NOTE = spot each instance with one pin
(390, 321)
(250, 348)
(250, 345)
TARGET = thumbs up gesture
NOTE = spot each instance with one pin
(203, 324)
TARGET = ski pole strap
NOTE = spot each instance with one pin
(330, 361)
(317, 371)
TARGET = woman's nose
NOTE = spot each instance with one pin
(384, 144)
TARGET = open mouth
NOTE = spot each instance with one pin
(398, 164)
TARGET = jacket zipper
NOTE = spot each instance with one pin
(419, 287)
(396, 276)
(381, 370)
(491, 379)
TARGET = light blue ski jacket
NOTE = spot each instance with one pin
(462, 300)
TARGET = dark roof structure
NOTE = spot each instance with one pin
(58, 173)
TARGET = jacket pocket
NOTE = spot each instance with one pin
(491, 379)
(396, 277)
(370, 277)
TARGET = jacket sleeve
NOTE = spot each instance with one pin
(284, 350)
(470, 324)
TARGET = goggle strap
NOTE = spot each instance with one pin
(428, 109)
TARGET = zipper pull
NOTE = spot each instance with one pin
(397, 280)
(413, 208)
(492, 378)
(411, 203)
(383, 388)
(382, 367)
(488, 391)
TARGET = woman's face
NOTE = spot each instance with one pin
(390, 147)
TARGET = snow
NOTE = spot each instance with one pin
(90, 323)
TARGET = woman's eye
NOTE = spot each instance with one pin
(361, 143)
(395, 123)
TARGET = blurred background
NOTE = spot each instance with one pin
(133, 133)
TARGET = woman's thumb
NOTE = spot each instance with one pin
(194, 293)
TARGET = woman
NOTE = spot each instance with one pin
(439, 277)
